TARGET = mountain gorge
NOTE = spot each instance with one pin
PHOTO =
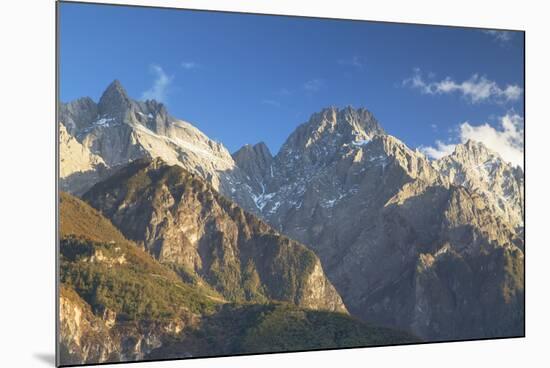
(177, 248)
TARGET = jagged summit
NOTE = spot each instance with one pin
(256, 162)
(477, 152)
(116, 105)
(259, 151)
(78, 114)
(473, 148)
(360, 117)
(478, 168)
(113, 89)
(120, 130)
(473, 154)
(359, 120)
(259, 147)
(114, 101)
(330, 129)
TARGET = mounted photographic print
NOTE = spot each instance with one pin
(233, 183)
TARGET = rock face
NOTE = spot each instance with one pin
(87, 338)
(256, 161)
(101, 317)
(432, 247)
(119, 130)
(78, 115)
(79, 168)
(81, 331)
(183, 221)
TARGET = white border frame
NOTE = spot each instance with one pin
(28, 181)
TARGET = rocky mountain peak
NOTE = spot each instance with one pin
(322, 137)
(346, 121)
(473, 151)
(83, 103)
(263, 149)
(78, 114)
(256, 161)
(259, 153)
(153, 106)
(361, 117)
(476, 167)
(115, 87)
(120, 130)
(474, 156)
(114, 101)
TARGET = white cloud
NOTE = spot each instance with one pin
(440, 150)
(159, 89)
(313, 85)
(189, 65)
(284, 92)
(501, 36)
(271, 102)
(354, 62)
(506, 140)
(475, 89)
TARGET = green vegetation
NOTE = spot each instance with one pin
(135, 184)
(191, 278)
(284, 327)
(253, 328)
(226, 276)
(251, 284)
(513, 275)
(108, 271)
(77, 218)
(130, 290)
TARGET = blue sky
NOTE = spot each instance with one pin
(249, 78)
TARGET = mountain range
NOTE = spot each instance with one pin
(344, 229)
(389, 224)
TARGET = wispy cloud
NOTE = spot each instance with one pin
(439, 150)
(189, 65)
(355, 62)
(313, 85)
(506, 140)
(274, 103)
(284, 92)
(501, 36)
(475, 89)
(160, 87)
